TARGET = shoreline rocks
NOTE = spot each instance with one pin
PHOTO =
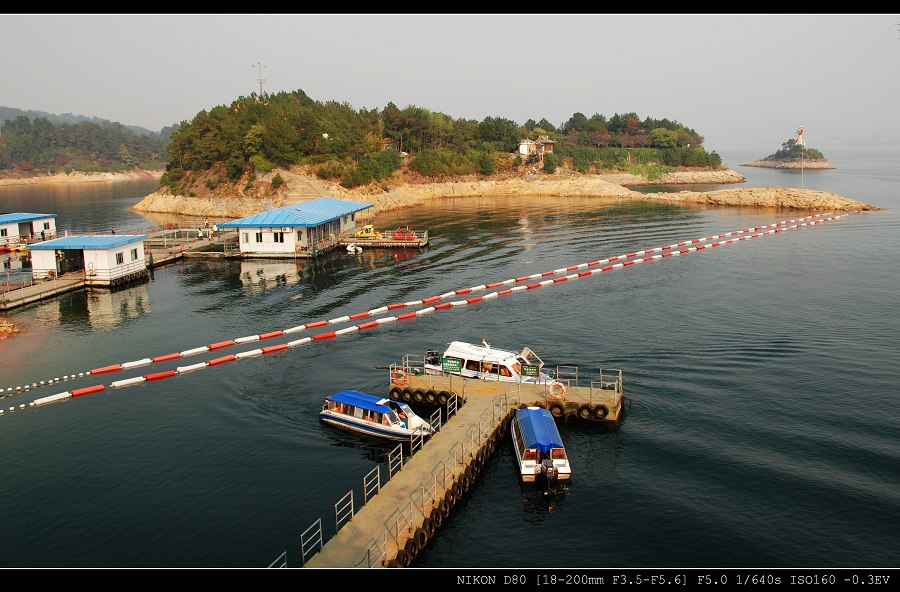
(231, 203)
(83, 177)
(808, 163)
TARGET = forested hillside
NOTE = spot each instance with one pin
(254, 135)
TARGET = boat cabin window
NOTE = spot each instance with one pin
(530, 454)
(504, 371)
(487, 367)
(473, 365)
(558, 454)
(357, 412)
(392, 417)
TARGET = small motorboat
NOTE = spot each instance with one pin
(367, 414)
(538, 445)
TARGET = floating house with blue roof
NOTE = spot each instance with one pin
(298, 230)
(22, 227)
(103, 260)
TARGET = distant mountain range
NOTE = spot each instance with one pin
(12, 113)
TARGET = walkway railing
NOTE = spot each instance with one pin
(312, 540)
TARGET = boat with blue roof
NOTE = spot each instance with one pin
(374, 416)
(538, 446)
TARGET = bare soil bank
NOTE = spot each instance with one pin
(229, 202)
(81, 177)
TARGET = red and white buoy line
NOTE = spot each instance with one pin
(661, 252)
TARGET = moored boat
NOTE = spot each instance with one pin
(538, 446)
(487, 363)
(367, 414)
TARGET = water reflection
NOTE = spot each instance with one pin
(101, 310)
(258, 276)
(539, 499)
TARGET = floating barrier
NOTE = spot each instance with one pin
(669, 252)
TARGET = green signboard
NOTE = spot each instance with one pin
(450, 364)
(529, 370)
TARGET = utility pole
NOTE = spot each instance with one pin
(259, 66)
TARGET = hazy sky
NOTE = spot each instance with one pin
(743, 81)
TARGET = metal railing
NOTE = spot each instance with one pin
(280, 561)
(310, 540)
(371, 484)
(343, 511)
(395, 460)
(403, 520)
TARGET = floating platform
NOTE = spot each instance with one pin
(388, 238)
(569, 395)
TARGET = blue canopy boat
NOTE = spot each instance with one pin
(374, 416)
(538, 445)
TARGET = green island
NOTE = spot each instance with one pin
(262, 152)
(793, 155)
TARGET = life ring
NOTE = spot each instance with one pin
(398, 377)
(558, 390)
(601, 411)
(585, 412)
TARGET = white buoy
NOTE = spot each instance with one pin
(33, 385)
(80, 374)
(22, 406)
(9, 390)
(42, 383)
(18, 388)
(12, 408)
(56, 379)
(65, 377)
(26, 387)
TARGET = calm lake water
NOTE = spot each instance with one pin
(762, 425)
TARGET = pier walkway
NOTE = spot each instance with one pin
(396, 518)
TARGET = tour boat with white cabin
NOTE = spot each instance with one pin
(538, 445)
(487, 363)
(374, 416)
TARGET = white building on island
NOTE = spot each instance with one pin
(22, 227)
(104, 260)
(298, 230)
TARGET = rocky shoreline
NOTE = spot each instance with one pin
(808, 163)
(83, 177)
(232, 204)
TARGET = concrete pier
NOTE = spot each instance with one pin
(398, 520)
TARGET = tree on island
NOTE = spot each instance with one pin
(794, 150)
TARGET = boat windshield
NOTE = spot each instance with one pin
(392, 417)
(530, 454)
(529, 357)
(558, 453)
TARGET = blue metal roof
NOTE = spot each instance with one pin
(308, 213)
(22, 217)
(538, 429)
(361, 400)
(89, 242)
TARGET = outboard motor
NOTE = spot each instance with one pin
(549, 470)
(432, 358)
